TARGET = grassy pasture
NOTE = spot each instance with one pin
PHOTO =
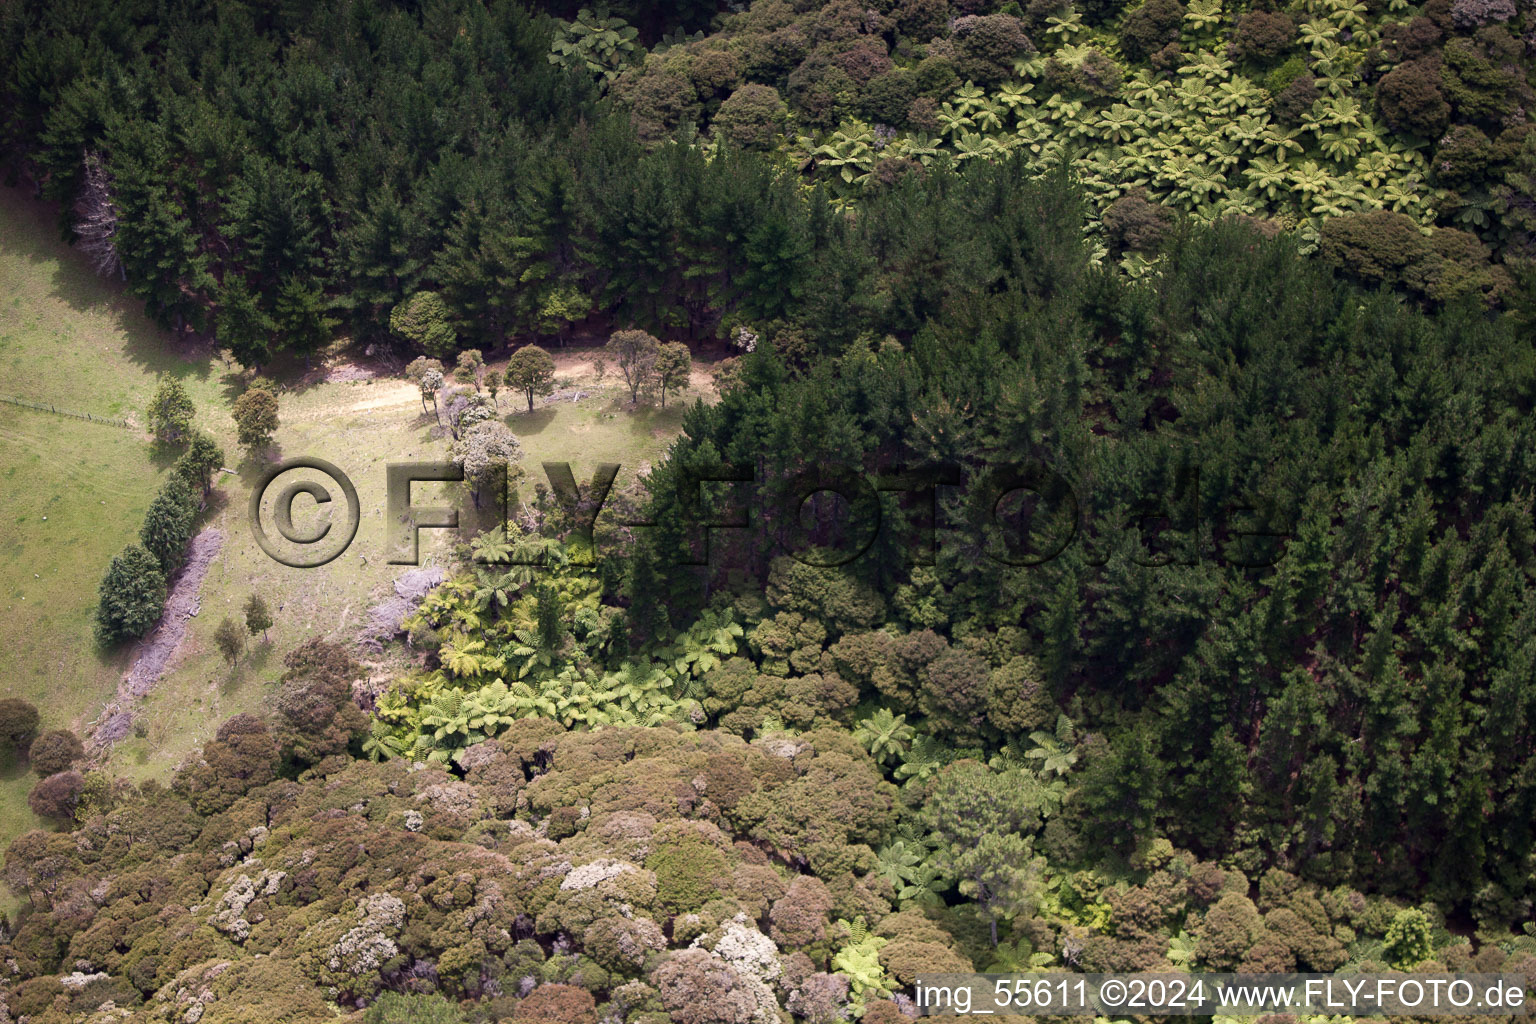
(72, 339)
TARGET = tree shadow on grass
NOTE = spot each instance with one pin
(74, 283)
(232, 385)
(13, 766)
(215, 504)
(250, 668)
(530, 423)
(163, 454)
(255, 462)
(649, 418)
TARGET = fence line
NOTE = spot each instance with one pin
(48, 407)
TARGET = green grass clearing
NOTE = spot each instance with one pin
(70, 338)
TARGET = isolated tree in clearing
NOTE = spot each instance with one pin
(258, 617)
(229, 639)
(256, 418)
(531, 370)
(470, 369)
(433, 382)
(674, 363)
(417, 371)
(636, 353)
(170, 412)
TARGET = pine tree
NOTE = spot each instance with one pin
(197, 464)
(132, 596)
(170, 411)
(168, 523)
(242, 325)
(301, 315)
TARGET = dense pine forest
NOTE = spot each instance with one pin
(1173, 364)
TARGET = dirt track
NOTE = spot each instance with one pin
(574, 369)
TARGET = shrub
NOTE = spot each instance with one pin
(1469, 14)
(18, 723)
(1410, 40)
(1150, 27)
(697, 987)
(1263, 35)
(773, 55)
(714, 71)
(1017, 698)
(1462, 156)
(798, 919)
(1285, 74)
(689, 874)
(1411, 99)
(1408, 940)
(566, 1004)
(316, 715)
(1292, 102)
(1133, 223)
(241, 757)
(621, 944)
(1097, 12)
(987, 45)
(935, 77)
(399, 1008)
(752, 117)
(888, 97)
(1480, 77)
(921, 20)
(906, 958)
(1228, 931)
(1378, 247)
(1098, 76)
(954, 692)
(863, 61)
(56, 796)
(55, 751)
(1384, 247)
(821, 91)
